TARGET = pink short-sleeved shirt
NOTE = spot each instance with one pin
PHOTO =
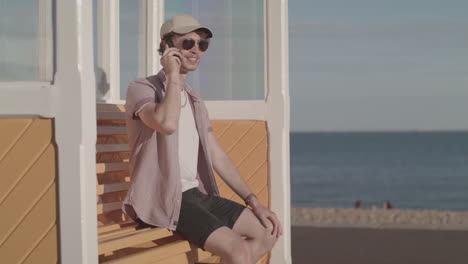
(155, 193)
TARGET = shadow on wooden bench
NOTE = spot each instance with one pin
(120, 240)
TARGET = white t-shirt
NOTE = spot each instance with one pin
(188, 144)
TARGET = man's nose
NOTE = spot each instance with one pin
(195, 47)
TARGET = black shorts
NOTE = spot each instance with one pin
(201, 214)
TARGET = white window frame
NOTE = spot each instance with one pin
(108, 13)
(34, 98)
(152, 12)
(46, 40)
(108, 51)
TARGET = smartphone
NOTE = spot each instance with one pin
(170, 44)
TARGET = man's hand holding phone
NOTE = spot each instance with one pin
(171, 59)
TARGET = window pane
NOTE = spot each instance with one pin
(131, 43)
(19, 40)
(233, 66)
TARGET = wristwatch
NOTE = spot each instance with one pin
(250, 196)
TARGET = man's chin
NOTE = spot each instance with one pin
(189, 68)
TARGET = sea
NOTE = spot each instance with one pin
(412, 170)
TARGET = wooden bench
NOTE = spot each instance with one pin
(120, 239)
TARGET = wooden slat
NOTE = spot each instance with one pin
(111, 157)
(220, 127)
(244, 147)
(46, 251)
(258, 183)
(111, 147)
(263, 195)
(259, 180)
(199, 255)
(31, 230)
(112, 139)
(127, 240)
(110, 108)
(116, 232)
(24, 154)
(189, 258)
(112, 187)
(107, 228)
(247, 166)
(105, 178)
(107, 207)
(254, 159)
(235, 132)
(212, 259)
(248, 142)
(112, 166)
(155, 254)
(28, 192)
(110, 116)
(179, 259)
(196, 255)
(12, 130)
(111, 130)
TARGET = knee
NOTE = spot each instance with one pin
(268, 240)
(241, 252)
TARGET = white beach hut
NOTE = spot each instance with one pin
(61, 129)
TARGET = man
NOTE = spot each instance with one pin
(173, 153)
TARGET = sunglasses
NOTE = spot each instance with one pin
(188, 44)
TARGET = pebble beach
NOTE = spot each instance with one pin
(361, 236)
(380, 218)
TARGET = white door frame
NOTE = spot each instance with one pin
(75, 132)
(277, 104)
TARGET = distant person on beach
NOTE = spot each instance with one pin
(387, 205)
(173, 151)
(358, 204)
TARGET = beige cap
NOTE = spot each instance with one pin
(182, 24)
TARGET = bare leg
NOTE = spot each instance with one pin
(259, 238)
(231, 247)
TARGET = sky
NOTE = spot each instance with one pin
(373, 65)
(355, 65)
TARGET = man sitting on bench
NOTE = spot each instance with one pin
(173, 151)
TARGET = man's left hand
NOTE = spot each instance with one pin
(266, 216)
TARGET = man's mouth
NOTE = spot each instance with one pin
(192, 60)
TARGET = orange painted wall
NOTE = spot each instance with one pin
(28, 196)
(246, 143)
